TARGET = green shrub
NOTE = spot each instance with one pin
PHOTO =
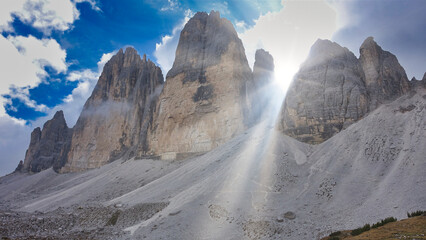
(360, 230)
(414, 214)
(383, 222)
(334, 234)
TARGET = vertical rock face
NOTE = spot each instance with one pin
(263, 68)
(116, 117)
(333, 89)
(261, 92)
(47, 146)
(326, 95)
(385, 79)
(203, 103)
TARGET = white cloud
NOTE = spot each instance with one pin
(91, 2)
(23, 59)
(166, 49)
(241, 26)
(171, 5)
(221, 7)
(23, 95)
(14, 140)
(104, 59)
(45, 15)
(289, 34)
(11, 128)
(7, 8)
(22, 65)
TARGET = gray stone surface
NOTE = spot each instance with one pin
(326, 95)
(48, 146)
(116, 117)
(414, 83)
(333, 89)
(203, 41)
(385, 79)
(204, 102)
(263, 68)
(261, 92)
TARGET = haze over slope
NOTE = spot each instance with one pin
(243, 188)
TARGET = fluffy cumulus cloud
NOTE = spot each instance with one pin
(289, 33)
(19, 130)
(22, 64)
(45, 15)
(166, 49)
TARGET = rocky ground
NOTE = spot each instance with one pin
(75, 222)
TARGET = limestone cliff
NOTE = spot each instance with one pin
(263, 68)
(262, 91)
(48, 146)
(203, 103)
(326, 95)
(116, 117)
(333, 89)
(385, 79)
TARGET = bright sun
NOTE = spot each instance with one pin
(284, 75)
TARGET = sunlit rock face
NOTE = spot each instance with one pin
(116, 117)
(385, 79)
(333, 89)
(261, 92)
(48, 147)
(204, 102)
(327, 94)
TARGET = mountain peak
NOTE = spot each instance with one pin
(324, 50)
(59, 115)
(264, 60)
(385, 78)
(203, 40)
(130, 51)
(368, 42)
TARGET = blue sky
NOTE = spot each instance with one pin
(106, 28)
(54, 50)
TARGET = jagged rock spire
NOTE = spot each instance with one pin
(116, 117)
